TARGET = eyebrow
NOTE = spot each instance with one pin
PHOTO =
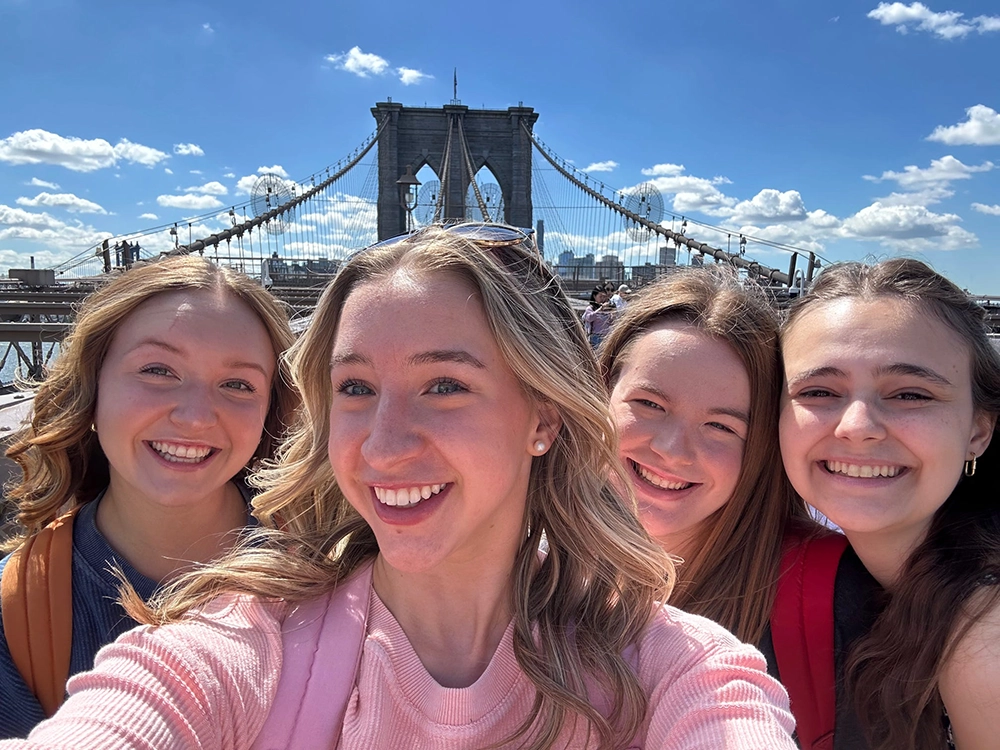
(721, 410)
(896, 368)
(232, 364)
(423, 358)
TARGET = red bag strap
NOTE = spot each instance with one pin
(37, 606)
(802, 632)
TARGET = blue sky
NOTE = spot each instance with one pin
(856, 129)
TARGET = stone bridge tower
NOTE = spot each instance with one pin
(415, 136)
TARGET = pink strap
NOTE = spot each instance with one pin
(322, 640)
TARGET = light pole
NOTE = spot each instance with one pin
(408, 185)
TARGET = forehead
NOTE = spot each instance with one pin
(680, 358)
(875, 332)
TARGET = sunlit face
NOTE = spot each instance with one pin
(877, 416)
(182, 396)
(431, 435)
(681, 405)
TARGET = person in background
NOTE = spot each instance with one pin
(165, 392)
(891, 397)
(620, 298)
(453, 417)
(597, 317)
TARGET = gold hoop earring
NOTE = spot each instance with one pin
(970, 466)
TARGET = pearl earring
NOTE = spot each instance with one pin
(540, 446)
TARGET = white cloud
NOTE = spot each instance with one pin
(35, 182)
(195, 171)
(601, 166)
(770, 205)
(359, 63)
(229, 175)
(209, 188)
(276, 169)
(188, 149)
(139, 154)
(926, 196)
(908, 227)
(981, 129)
(916, 16)
(984, 209)
(67, 201)
(42, 147)
(941, 172)
(18, 224)
(409, 76)
(664, 170)
(168, 170)
(207, 27)
(151, 217)
(189, 202)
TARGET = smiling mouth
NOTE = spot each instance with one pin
(656, 481)
(181, 454)
(863, 471)
(407, 497)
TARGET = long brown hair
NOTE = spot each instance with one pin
(602, 574)
(60, 457)
(731, 575)
(893, 671)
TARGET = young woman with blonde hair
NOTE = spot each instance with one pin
(453, 417)
(166, 390)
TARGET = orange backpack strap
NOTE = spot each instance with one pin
(802, 633)
(37, 595)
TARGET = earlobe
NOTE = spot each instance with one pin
(982, 433)
(549, 424)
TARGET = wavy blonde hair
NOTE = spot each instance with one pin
(596, 590)
(731, 576)
(60, 457)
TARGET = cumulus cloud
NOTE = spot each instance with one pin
(601, 166)
(909, 227)
(151, 217)
(770, 205)
(361, 64)
(68, 201)
(949, 24)
(410, 76)
(209, 188)
(189, 201)
(35, 182)
(188, 149)
(276, 169)
(229, 175)
(982, 128)
(139, 154)
(45, 229)
(661, 170)
(941, 172)
(984, 209)
(42, 147)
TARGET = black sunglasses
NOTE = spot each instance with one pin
(481, 233)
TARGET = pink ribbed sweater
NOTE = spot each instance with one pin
(208, 683)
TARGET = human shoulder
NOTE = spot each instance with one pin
(708, 689)
(970, 679)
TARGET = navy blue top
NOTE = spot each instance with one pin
(98, 618)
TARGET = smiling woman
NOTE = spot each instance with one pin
(453, 418)
(167, 388)
(891, 401)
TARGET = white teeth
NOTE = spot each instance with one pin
(658, 481)
(406, 496)
(863, 471)
(175, 453)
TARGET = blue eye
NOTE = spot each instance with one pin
(239, 385)
(354, 388)
(446, 386)
(155, 370)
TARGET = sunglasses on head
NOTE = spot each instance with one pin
(481, 233)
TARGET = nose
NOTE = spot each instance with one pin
(673, 441)
(392, 436)
(195, 408)
(860, 420)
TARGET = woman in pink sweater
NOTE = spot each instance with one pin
(454, 417)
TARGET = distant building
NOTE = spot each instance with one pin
(668, 255)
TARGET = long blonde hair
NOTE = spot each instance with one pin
(731, 576)
(60, 457)
(595, 591)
